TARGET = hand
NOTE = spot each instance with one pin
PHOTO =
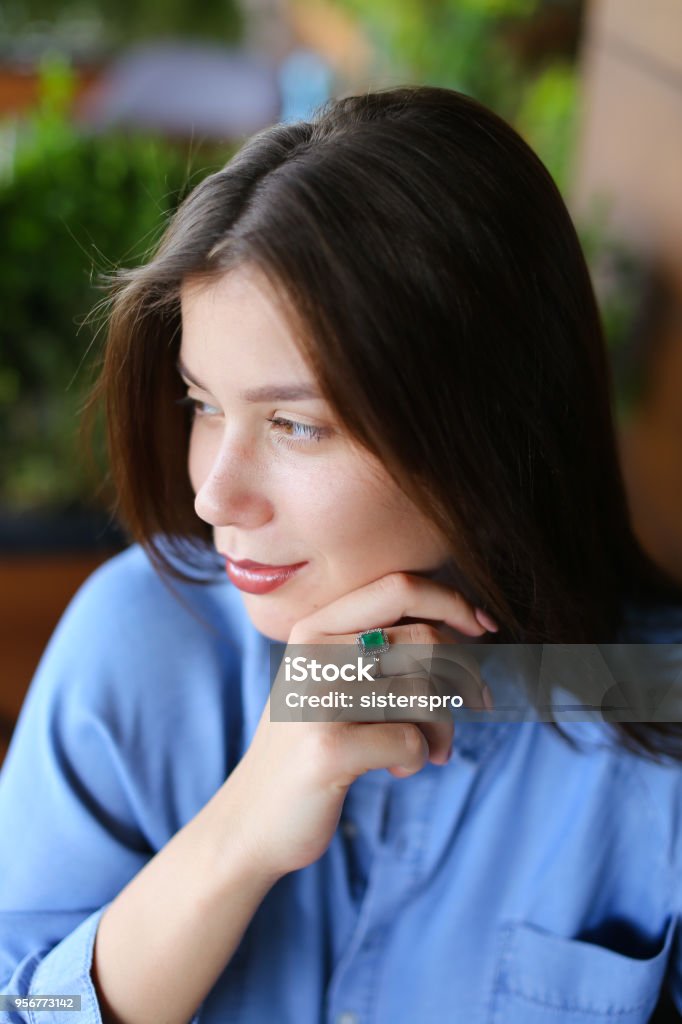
(291, 783)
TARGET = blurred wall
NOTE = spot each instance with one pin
(631, 143)
(630, 152)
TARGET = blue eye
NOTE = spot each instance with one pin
(291, 433)
(287, 432)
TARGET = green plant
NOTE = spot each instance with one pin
(547, 116)
(71, 207)
(468, 45)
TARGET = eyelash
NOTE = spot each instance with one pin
(309, 432)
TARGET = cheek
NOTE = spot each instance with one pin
(367, 515)
(347, 508)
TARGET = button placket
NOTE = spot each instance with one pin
(354, 985)
(351, 988)
(409, 820)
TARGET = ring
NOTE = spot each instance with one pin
(372, 643)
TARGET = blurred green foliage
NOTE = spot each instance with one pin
(71, 206)
(473, 46)
(453, 43)
(116, 22)
(547, 117)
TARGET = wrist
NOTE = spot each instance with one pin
(235, 850)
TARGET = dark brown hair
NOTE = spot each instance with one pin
(444, 304)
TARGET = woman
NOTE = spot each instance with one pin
(397, 415)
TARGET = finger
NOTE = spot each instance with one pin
(450, 667)
(396, 745)
(439, 736)
(410, 649)
(413, 649)
(385, 601)
(434, 719)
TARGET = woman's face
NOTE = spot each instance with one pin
(277, 478)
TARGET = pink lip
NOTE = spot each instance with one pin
(257, 578)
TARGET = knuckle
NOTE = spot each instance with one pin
(302, 633)
(296, 633)
(398, 583)
(412, 741)
(422, 633)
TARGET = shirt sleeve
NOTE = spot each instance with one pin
(673, 980)
(70, 829)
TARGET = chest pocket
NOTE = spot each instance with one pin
(543, 978)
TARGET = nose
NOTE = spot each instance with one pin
(232, 491)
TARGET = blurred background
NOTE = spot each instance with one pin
(111, 111)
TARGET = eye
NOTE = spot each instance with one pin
(291, 433)
(194, 406)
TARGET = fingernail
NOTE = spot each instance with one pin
(485, 620)
(488, 698)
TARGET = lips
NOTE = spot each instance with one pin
(257, 577)
(247, 563)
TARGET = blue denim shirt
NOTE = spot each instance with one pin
(525, 881)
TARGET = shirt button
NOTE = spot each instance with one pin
(347, 1018)
(350, 830)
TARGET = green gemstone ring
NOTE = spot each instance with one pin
(373, 641)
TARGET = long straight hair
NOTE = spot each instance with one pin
(433, 275)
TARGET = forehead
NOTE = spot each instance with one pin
(244, 293)
(237, 314)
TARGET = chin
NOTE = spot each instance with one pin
(273, 626)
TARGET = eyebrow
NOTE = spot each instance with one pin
(264, 393)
